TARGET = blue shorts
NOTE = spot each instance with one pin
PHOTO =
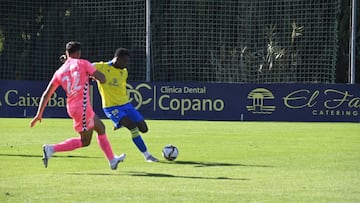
(116, 113)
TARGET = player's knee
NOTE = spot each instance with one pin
(86, 138)
(99, 127)
(143, 129)
(129, 124)
(85, 142)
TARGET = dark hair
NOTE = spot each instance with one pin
(73, 46)
(121, 52)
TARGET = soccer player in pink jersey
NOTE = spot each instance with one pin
(73, 76)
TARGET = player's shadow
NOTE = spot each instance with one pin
(157, 175)
(211, 164)
(94, 174)
(40, 156)
(22, 155)
(164, 175)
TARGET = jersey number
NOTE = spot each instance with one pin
(76, 79)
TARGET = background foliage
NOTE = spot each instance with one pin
(244, 41)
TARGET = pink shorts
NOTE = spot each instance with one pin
(83, 120)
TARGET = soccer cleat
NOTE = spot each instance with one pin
(48, 151)
(151, 158)
(116, 160)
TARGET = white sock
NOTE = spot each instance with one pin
(146, 154)
(113, 160)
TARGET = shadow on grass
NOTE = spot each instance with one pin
(210, 164)
(164, 175)
(57, 156)
(159, 175)
(94, 174)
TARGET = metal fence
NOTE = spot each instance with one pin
(238, 41)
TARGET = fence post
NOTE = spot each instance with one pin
(353, 42)
(148, 41)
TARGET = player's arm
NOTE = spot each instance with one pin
(43, 102)
(97, 75)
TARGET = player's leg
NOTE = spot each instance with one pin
(105, 144)
(136, 117)
(143, 128)
(86, 137)
(67, 145)
(83, 124)
(118, 115)
(135, 135)
(134, 122)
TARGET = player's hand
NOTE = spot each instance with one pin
(35, 120)
(63, 58)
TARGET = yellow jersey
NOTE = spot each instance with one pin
(113, 92)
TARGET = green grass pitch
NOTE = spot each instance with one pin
(218, 162)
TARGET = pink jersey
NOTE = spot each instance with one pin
(73, 76)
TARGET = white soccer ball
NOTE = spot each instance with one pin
(170, 152)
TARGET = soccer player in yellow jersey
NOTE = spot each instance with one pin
(115, 101)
